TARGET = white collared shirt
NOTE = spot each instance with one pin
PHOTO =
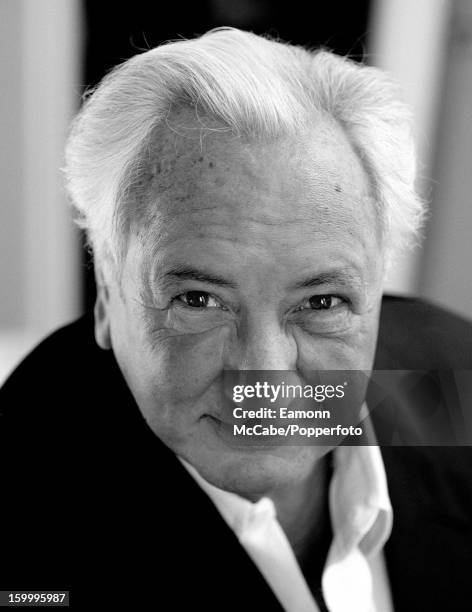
(354, 577)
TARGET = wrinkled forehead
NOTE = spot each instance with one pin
(204, 183)
(193, 158)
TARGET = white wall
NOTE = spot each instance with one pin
(446, 276)
(39, 263)
(427, 46)
(11, 168)
(407, 38)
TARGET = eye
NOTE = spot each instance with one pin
(198, 299)
(321, 302)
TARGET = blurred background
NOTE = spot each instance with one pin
(51, 50)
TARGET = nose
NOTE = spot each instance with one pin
(261, 344)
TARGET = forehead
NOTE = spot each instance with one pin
(206, 185)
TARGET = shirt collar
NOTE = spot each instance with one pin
(360, 508)
(237, 511)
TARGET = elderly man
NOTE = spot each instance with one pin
(243, 199)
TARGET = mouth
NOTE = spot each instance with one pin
(225, 432)
(224, 429)
(226, 424)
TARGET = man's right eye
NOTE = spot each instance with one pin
(198, 299)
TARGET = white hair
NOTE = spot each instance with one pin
(255, 86)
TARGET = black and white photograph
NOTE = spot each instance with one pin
(236, 305)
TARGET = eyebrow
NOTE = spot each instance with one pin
(343, 276)
(182, 273)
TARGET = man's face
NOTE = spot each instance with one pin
(244, 239)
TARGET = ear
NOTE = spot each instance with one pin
(101, 313)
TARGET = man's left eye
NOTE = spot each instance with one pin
(198, 299)
(321, 302)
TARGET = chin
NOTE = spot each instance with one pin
(255, 471)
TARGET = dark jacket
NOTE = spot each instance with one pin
(93, 502)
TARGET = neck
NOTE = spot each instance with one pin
(303, 513)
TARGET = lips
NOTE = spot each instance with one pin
(230, 422)
(227, 421)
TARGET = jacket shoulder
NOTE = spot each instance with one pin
(59, 362)
(415, 334)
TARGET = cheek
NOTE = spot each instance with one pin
(189, 363)
(350, 351)
(171, 374)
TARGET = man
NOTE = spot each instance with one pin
(243, 199)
